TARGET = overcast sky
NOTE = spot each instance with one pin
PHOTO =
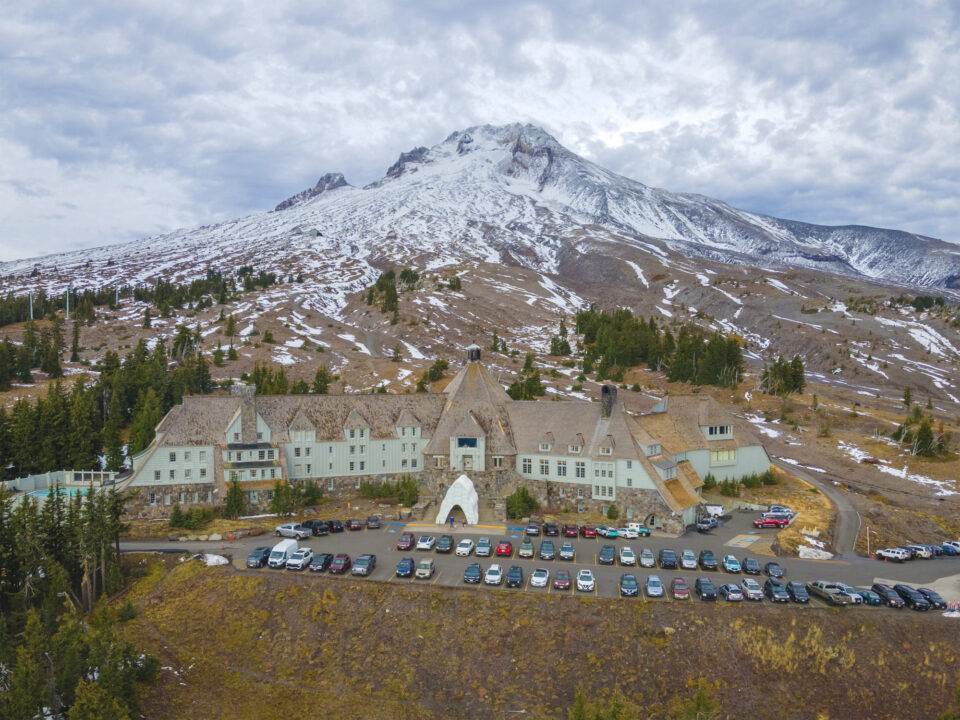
(123, 119)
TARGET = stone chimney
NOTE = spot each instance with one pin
(608, 398)
(248, 411)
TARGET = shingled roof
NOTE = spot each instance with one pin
(578, 420)
(678, 424)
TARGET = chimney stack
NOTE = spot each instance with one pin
(608, 398)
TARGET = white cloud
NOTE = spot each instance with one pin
(126, 119)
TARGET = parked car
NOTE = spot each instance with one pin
(950, 549)
(473, 574)
(258, 557)
(586, 581)
(444, 544)
(533, 529)
(775, 591)
(911, 598)
(293, 530)
(628, 585)
(607, 531)
(653, 586)
(704, 589)
(647, 558)
(551, 530)
(525, 550)
(607, 555)
(731, 593)
(281, 552)
(318, 527)
(777, 515)
(494, 575)
(320, 562)
(627, 533)
(688, 560)
(774, 570)
(570, 531)
(921, 551)
(335, 526)
(426, 542)
(504, 548)
(547, 551)
(340, 564)
(627, 556)
(707, 524)
(679, 589)
(668, 559)
(588, 531)
(798, 592)
(515, 576)
(405, 567)
(828, 591)
(911, 553)
(751, 589)
(641, 530)
(771, 522)
(354, 524)
(567, 552)
(932, 597)
(464, 547)
(561, 581)
(364, 564)
(782, 509)
(870, 597)
(851, 591)
(895, 554)
(539, 578)
(731, 564)
(484, 547)
(888, 595)
(707, 560)
(405, 541)
(373, 522)
(300, 559)
(751, 566)
(425, 569)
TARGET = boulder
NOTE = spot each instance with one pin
(215, 537)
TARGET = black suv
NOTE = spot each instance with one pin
(444, 544)
(317, 527)
(707, 560)
(607, 555)
(798, 592)
(547, 551)
(473, 574)
(335, 526)
(751, 566)
(773, 570)
(373, 523)
(705, 589)
(515, 576)
(551, 530)
(936, 602)
(668, 559)
(320, 562)
(258, 558)
(911, 598)
(775, 591)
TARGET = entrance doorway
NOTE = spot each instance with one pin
(468, 462)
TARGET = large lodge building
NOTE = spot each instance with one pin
(573, 453)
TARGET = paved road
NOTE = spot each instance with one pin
(848, 519)
(941, 573)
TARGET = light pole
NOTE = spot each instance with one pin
(868, 539)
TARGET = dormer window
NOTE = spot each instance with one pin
(717, 430)
(575, 449)
(544, 447)
(606, 451)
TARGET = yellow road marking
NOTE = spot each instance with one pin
(439, 573)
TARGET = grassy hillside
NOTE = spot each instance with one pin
(274, 645)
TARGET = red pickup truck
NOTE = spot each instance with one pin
(769, 522)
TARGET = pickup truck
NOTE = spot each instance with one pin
(829, 592)
(707, 524)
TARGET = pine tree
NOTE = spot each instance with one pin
(232, 353)
(112, 445)
(218, 355)
(236, 503)
(84, 443)
(322, 380)
(75, 345)
(146, 417)
(27, 683)
(907, 398)
(24, 438)
(495, 345)
(95, 703)
(798, 381)
(24, 362)
(146, 318)
(230, 327)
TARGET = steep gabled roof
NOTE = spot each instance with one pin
(680, 425)
(407, 419)
(356, 420)
(301, 421)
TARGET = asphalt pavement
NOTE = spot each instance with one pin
(943, 574)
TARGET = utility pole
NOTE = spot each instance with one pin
(31, 306)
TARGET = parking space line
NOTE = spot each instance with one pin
(439, 573)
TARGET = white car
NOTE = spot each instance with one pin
(647, 559)
(464, 548)
(921, 551)
(751, 589)
(293, 530)
(426, 542)
(494, 575)
(627, 533)
(585, 581)
(300, 559)
(540, 577)
(627, 556)
(688, 560)
(892, 554)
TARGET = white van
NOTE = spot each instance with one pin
(714, 511)
(281, 553)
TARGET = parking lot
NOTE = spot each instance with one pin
(732, 537)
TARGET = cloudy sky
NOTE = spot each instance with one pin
(124, 119)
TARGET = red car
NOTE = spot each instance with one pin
(561, 580)
(769, 522)
(570, 531)
(354, 525)
(405, 541)
(505, 548)
(341, 563)
(588, 531)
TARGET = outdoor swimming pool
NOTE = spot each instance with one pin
(63, 491)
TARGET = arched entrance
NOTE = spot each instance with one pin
(461, 494)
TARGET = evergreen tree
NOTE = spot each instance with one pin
(907, 398)
(797, 374)
(84, 439)
(436, 370)
(146, 417)
(75, 345)
(322, 380)
(495, 345)
(924, 441)
(218, 355)
(95, 703)
(24, 438)
(236, 502)
(230, 328)
(27, 683)
(528, 363)
(147, 320)
(112, 445)
(232, 352)
(24, 362)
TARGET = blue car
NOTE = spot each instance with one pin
(405, 567)
(949, 549)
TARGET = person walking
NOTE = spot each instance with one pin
(451, 522)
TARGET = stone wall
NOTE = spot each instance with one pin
(166, 496)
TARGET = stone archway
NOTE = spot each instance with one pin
(460, 494)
